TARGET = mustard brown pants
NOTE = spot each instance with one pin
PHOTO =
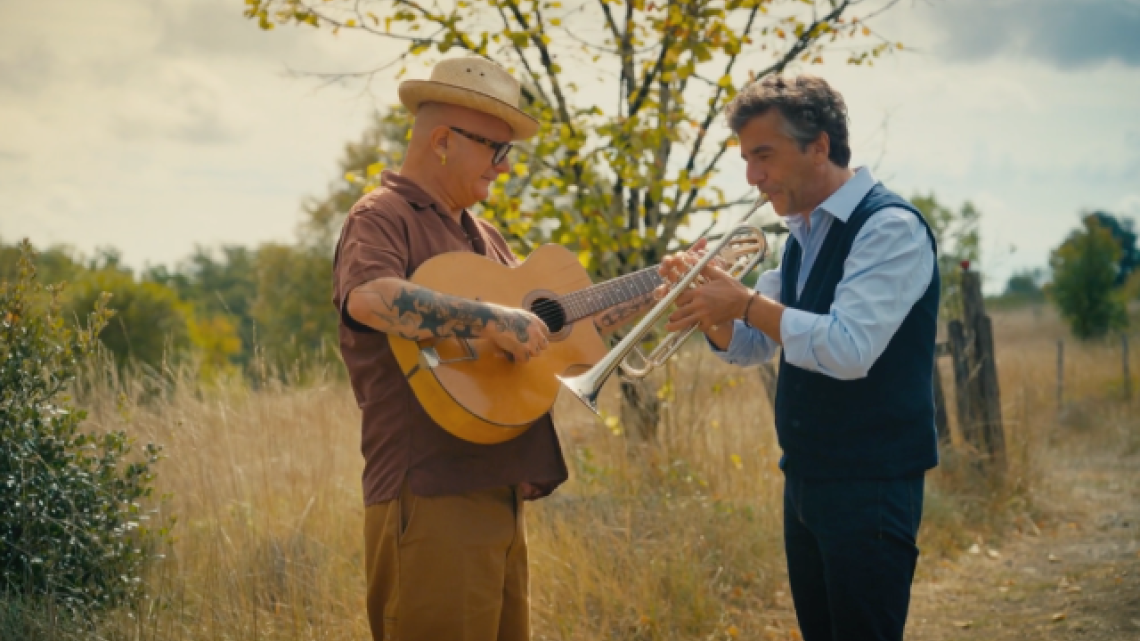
(448, 568)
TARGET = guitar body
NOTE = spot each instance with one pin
(469, 387)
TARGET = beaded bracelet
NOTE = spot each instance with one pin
(748, 306)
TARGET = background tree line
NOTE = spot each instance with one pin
(230, 308)
(221, 309)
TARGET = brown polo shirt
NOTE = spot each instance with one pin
(389, 233)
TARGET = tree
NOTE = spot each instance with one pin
(627, 178)
(293, 311)
(1085, 267)
(54, 264)
(1024, 286)
(1124, 234)
(221, 286)
(150, 323)
(616, 171)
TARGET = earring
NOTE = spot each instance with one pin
(443, 159)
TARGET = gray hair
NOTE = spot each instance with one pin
(809, 107)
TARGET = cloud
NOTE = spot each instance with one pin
(26, 72)
(183, 102)
(1066, 33)
(217, 28)
(1129, 206)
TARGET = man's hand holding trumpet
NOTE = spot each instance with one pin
(716, 299)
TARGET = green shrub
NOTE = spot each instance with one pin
(1085, 269)
(73, 526)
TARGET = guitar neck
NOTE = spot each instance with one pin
(598, 298)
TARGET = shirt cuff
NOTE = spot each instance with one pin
(796, 328)
(732, 354)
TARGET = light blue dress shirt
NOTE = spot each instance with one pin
(890, 266)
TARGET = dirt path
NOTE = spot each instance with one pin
(1078, 579)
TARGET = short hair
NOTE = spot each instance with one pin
(808, 104)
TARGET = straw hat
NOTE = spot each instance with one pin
(475, 83)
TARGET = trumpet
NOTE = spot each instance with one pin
(741, 249)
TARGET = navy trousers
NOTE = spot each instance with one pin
(851, 555)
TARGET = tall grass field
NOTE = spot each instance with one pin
(679, 538)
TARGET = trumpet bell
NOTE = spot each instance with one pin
(584, 388)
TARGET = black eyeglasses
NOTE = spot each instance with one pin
(501, 149)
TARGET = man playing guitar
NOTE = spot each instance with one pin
(446, 554)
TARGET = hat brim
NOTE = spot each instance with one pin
(414, 93)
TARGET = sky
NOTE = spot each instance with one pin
(155, 126)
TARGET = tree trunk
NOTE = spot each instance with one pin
(640, 409)
(768, 378)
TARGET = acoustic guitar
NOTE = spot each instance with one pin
(469, 387)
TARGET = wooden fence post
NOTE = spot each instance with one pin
(990, 394)
(975, 373)
(961, 362)
(941, 421)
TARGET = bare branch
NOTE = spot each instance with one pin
(643, 91)
(874, 14)
(547, 62)
(622, 40)
(363, 26)
(804, 41)
(743, 200)
(522, 59)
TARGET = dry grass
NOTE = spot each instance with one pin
(679, 539)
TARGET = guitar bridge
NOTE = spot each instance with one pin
(431, 358)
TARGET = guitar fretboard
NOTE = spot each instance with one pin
(587, 302)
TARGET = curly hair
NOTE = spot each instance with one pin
(808, 104)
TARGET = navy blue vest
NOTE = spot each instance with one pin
(880, 426)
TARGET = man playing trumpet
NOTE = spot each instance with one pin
(854, 305)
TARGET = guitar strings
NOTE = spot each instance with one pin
(562, 302)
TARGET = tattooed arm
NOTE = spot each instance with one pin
(615, 317)
(417, 313)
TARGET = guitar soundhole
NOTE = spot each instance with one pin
(551, 313)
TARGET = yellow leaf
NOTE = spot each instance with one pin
(737, 461)
(725, 81)
(374, 169)
(1060, 616)
(521, 169)
(866, 31)
(350, 23)
(556, 21)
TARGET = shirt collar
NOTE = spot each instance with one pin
(843, 202)
(407, 189)
(839, 205)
